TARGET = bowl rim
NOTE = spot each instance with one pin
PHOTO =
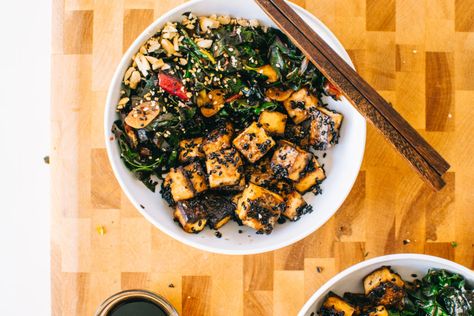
(380, 260)
(117, 76)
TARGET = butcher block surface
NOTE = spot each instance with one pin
(418, 54)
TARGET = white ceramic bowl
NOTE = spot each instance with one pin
(350, 280)
(342, 163)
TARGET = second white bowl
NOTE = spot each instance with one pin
(407, 265)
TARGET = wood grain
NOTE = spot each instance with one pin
(384, 208)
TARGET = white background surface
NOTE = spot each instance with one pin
(24, 141)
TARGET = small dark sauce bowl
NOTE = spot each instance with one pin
(112, 303)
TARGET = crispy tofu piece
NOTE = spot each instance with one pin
(224, 168)
(191, 215)
(312, 176)
(335, 305)
(381, 275)
(196, 175)
(261, 173)
(335, 117)
(218, 139)
(295, 206)
(378, 311)
(219, 210)
(190, 149)
(273, 122)
(253, 142)
(385, 287)
(180, 186)
(299, 104)
(289, 161)
(324, 128)
(259, 208)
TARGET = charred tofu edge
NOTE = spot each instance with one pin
(257, 197)
(218, 139)
(294, 169)
(190, 215)
(295, 206)
(334, 305)
(312, 177)
(219, 210)
(385, 287)
(180, 186)
(197, 176)
(381, 275)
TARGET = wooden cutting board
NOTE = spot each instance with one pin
(418, 54)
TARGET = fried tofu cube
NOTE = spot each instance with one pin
(191, 215)
(180, 186)
(289, 161)
(312, 176)
(259, 208)
(253, 142)
(324, 128)
(190, 149)
(218, 139)
(196, 175)
(299, 104)
(335, 117)
(273, 122)
(261, 173)
(224, 168)
(335, 305)
(219, 210)
(385, 287)
(295, 206)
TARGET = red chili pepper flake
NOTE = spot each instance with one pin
(332, 90)
(172, 85)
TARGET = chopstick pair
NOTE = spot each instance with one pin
(407, 141)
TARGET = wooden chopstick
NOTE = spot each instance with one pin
(422, 157)
(404, 128)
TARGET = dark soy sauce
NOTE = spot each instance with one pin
(137, 307)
